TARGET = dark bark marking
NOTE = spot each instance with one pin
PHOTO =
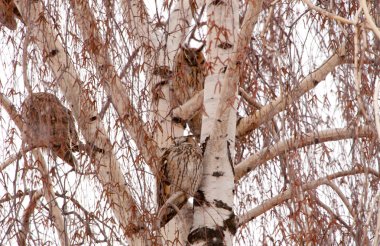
(230, 157)
(316, 140)
(204, 145)
(230, 223)
(218, 2)
(200, 199)
(238, 121)
(221, 204)
(53, 53)
(93, 118)
(218, 174)
(225, 45)
(178, 120)
(212, 237)
(89, 148)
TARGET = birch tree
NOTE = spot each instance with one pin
(290, 122)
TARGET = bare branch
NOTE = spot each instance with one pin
(188, 109)
(249, 99)
(270, 152)
(357, 66)
(129, 63)
(342, 197)
(25, 62)
(251, 122)
(328, 14)
(137, 17)
(47, 184)
(110, 175)
(372, 24)
(176, 201)
(14, 157)
(332, 214)
(112, 84)
(280, 198)
(23, 233)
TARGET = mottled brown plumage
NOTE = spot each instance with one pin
(8, 12)
(47, 123)
(181, 169)
(189, 76)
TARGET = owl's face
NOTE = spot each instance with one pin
(185, 139)
(193, 57)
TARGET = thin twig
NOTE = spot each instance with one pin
(176, 198)
(369, 19)
(25, 61)
(249, 99)
(328, 14)
(357, 66)
(105, 107)
(24, 231)
(129, 62)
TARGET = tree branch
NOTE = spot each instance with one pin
(56, 215)
(332, 214)
(267, 112)
(112, 84)
(138, 26)
(369, 19)
(23, 233)
(189, 108)
(249, 99)
(311, 138)
(328, 14)
(231, 78)
(110, 174)
(282, 197)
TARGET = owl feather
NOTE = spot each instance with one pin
(47, 123)
(181, 171)
(8, 12)
(189, 76)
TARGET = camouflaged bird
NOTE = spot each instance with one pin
(8, 12)
(181, 170)
(189, 76)
(47, 123)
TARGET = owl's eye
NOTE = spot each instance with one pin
(200, 58)
(190, 58)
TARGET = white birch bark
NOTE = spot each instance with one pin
(110, 175)
(176, 230)
(111, 82)
(158, 55)
(214, 219)
(48, 191)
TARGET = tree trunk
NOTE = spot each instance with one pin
(214, 218)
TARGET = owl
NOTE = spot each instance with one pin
(8, 12)
(189, 76)
(181, 170)
(47, 123)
